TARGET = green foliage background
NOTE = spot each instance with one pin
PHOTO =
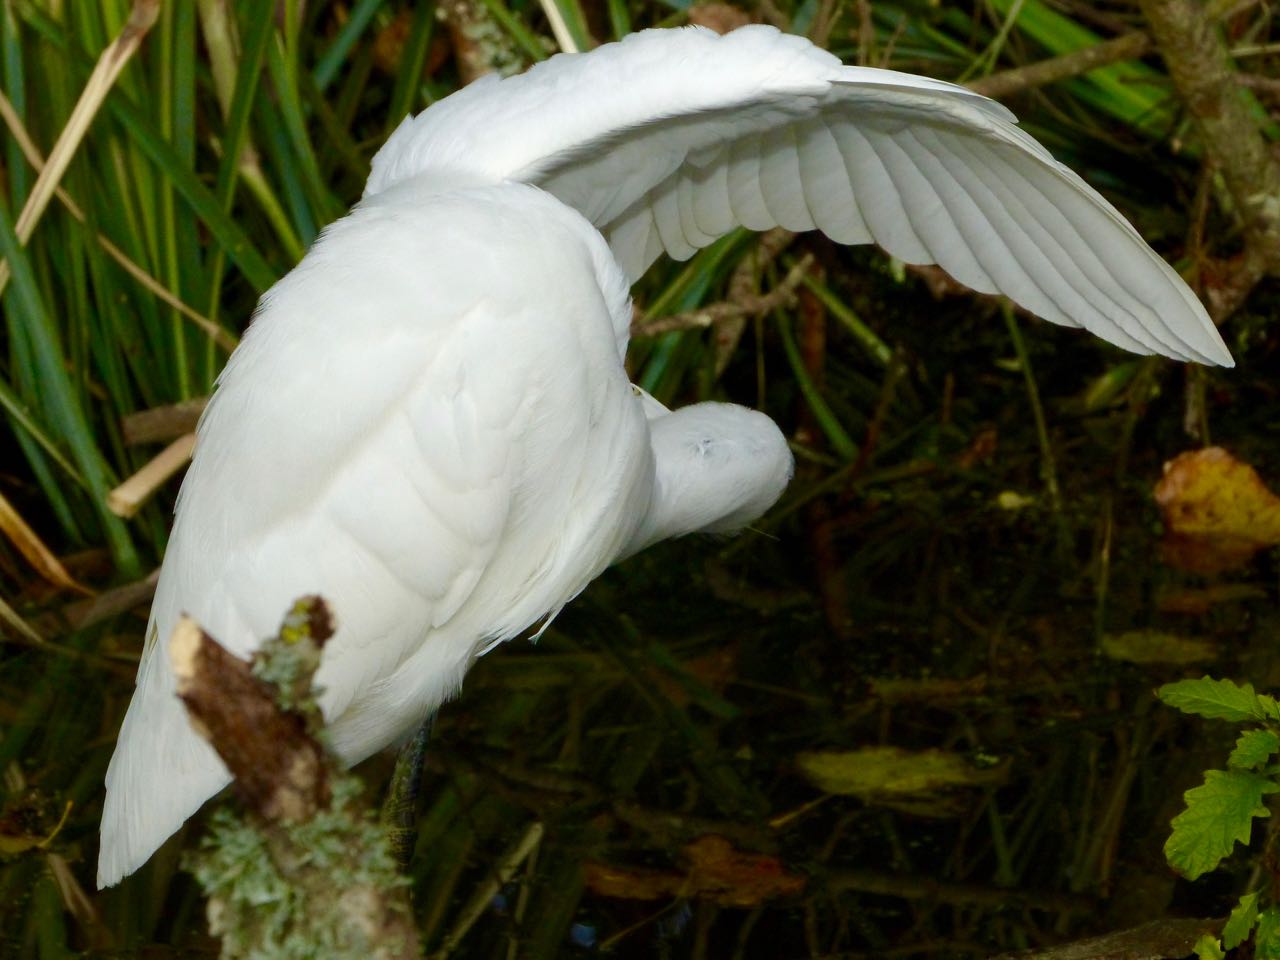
(889, 598)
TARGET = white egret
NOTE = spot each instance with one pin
(429, 422)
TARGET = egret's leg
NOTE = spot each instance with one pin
(400, 809)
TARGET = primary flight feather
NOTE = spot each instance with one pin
(429, 422)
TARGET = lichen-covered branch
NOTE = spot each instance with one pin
(304, 870)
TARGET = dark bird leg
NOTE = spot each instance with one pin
(400, 809)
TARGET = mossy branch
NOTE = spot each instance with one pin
(304, 870)
(1207, 81)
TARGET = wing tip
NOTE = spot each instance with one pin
(1221, 357)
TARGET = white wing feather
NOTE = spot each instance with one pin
(669, 139)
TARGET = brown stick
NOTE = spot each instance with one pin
(162, 423)
(280, 770)
(1126, 47)
(737, 308)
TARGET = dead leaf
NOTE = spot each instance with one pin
(928, 690)
(1197, 601)
(735, 879)
(714, 670)
(917, 781)
(1153, 646)
(1217, 512)
(980, 450)
(390, 41)
(631, 883)
(715, 871)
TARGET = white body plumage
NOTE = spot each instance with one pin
(429, 422)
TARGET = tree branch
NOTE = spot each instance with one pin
(1207, 81)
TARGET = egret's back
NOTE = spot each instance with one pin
(421, 430)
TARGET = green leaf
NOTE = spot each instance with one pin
(1208, 948)
(1215, 699)
(1241, 921)
(1219, 814)
(1270, 706)
(1253, 749)
(1266, 942)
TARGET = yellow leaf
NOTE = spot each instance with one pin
(1217, 511)
(887, 773)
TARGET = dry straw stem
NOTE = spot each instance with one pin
(482, 899)
(128, 498)
(14, 619)
(559, 29)
(34, 549)
(152, 285)
(109, 603)
(157, 424)
(113, 60)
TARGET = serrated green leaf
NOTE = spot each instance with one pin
(1240, 924)
(1266, 942)
(1254, 748)
(1270, 706)
(1208, 948)
(1219, 814)
(1215, 699)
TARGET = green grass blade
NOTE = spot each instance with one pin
(62, 409)
(404, 97)
(232, 239)
(841, 443)
(326, 70)
(525, 38)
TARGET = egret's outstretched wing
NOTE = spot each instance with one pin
(669, 139)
